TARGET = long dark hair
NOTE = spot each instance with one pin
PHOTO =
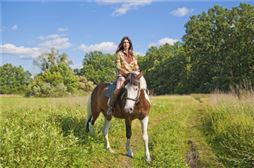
(120, 46)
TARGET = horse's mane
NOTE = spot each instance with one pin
(142, 81)
(143, 84)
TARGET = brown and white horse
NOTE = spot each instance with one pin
(132, 103)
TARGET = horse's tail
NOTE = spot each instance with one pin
(89, 113)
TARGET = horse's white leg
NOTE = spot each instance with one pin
(144, 124)
(128, 148)
(128, 136)
(105, 133)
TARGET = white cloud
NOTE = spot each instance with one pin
(14, 27)
(54, 41)
(167, 40)
(62, 29)
(105, 47)
(44, 45)
(76, 66)
(163, 41)
(181, 11)
(21, 51)
(139, 53)
(125, 5)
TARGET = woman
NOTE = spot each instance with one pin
(126, 63)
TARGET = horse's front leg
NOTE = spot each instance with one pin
(105, 133)
(128, 137)
(144, 124)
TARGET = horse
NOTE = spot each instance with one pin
(132, 103)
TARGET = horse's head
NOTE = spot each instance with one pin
(132, 87)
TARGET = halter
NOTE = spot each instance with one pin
(136, 100)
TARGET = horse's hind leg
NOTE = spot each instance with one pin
(89, 115)
(105, 133)
(88, 124)
(92, 115)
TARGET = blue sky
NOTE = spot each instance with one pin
(29, 28)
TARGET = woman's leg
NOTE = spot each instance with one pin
(119, 83)
(113, 97)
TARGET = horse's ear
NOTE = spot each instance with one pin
(140, 75)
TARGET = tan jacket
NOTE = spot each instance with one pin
(123, 66)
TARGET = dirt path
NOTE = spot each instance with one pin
(182, 111)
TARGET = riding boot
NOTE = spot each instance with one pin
(112, 101)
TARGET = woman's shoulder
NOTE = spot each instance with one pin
(135, 54)
(120, 54)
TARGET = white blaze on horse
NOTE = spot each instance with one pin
(132, 103)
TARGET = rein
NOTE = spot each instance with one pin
(136, 100)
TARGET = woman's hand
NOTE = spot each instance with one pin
(136, 72)
(123, 73)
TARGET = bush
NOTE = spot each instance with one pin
(57, 81)
(84, 84)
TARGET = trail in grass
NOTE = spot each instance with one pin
(57, 128)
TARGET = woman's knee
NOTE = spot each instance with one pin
(121, 79)
(119, 82)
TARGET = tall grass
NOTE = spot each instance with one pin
(229, 126)
(47, 132)
(50, 132)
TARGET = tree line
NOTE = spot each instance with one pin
(216, 53)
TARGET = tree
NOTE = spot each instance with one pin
(165, 69)
(52, 58)
(59, 80)
(56, 79)
(13, 79)
(99, 67)
(220, 46)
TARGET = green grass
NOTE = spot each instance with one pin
(50, 132)
(229, 126)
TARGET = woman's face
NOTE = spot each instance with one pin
(126, 44)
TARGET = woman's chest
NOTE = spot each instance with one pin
(128, 59)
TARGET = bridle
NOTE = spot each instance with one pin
(136, 100)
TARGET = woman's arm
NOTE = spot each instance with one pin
(119, 66)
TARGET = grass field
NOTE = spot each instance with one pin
(184, 131)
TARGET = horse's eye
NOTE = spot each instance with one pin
(136, 89)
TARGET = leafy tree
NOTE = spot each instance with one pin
(59, 80)
(165, 69)
(220, 46)
(13, 79)
(52, 58)
(99, 67)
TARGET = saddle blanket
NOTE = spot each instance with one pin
(110, 89)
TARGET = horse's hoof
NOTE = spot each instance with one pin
(130, 154)
(148, 159)
(110, 150)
